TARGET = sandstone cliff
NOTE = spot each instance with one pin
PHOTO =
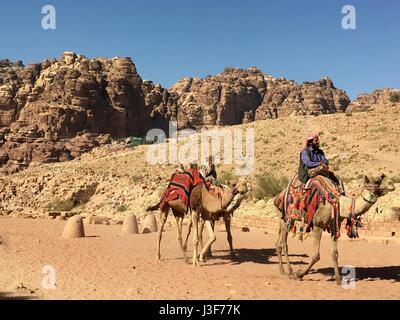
(368, 101)
(240, 96)
(43, 103)
(44, 106)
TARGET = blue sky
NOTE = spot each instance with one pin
(168, 40)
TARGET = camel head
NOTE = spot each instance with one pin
(238, 186)
(380, 185)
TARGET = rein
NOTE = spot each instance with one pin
(353, 222)
(371, 197)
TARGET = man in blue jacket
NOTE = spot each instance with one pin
(313, 162)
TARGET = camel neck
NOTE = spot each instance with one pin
(365, 201)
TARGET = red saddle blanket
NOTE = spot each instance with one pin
(180, 186)
(299, 201)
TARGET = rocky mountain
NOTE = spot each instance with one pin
(368, 101)
(70, 98)
(73, 94)
(240, 96)
(57, 109)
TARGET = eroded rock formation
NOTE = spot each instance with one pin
(57, 109)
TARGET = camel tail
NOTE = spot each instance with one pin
(154, 207)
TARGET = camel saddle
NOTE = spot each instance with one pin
(299, 201)
(181, 185)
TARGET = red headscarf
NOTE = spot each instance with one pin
(311, 137)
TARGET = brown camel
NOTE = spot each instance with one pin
(212, 204)
(373, 188)
(179, 210)
(208, 207)
(227, 216)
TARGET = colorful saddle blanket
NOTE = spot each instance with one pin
(299, 201)
(180, 186)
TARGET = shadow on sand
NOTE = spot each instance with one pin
(371, 273)
(9, 296)
(261, 256)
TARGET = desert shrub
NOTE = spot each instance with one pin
(60, 205)
(396, 179)
(122, 208)
(349, 113)
(136, 178)
(379, 130)
(395, 97)
(226, 176)
(334, 139)
(268, 186)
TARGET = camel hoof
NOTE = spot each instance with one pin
(234, 257)
(298, 275)
(196, 264)
(338, 281)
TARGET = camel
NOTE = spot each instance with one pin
(208, 208)
(373, 189)
(179, 210)
(227, 216)
(212, 204)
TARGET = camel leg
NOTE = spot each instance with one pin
(201, 228)
(163, 219)
(187, 235)
(284, 245)
(210, 241)
(195, 225)
(208, 254)
(317, 233)
(179, 221)
(335, 256)
(279, 247)
(227, 220)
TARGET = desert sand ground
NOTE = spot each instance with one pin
(107, 265)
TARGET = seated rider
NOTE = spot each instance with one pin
(209, 172)
(313, 163)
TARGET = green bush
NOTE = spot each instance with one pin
(226, 176)
(396, 179)
(379, 130)
(268, 186)
(122, 208)
(60, 205)
(136, 178)
(395, 97)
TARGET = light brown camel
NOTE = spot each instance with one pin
(373, 188)
(227, 216)
(212, 204)
(179, 210)
(208, 207)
